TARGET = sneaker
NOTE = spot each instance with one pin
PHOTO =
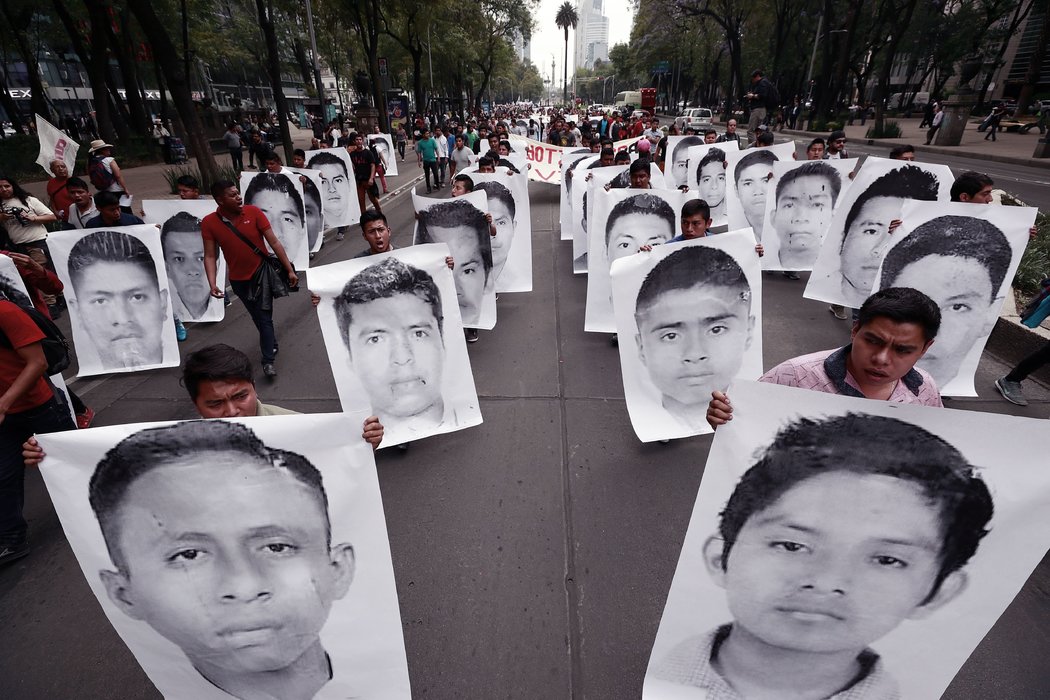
(269, 370)
(791, 275)
(84, 419)
(614, 340)
(13, 551)
(429, 190)
(404, 446)
(180, 330)
(339, 235)
(471, 334)
(839, 311)
(1011, 391)
(276, 348)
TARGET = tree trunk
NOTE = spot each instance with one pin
(138, 119)
(97, 67)
(178, 82)
(564, 72)
(902, 18)
(7, 102)
(18, 24)
(273, 63)
(1031, 77)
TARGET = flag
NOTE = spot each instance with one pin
(55, 144)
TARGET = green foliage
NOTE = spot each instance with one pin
(226, 172)
(1035, 263)
(18, 155)
(890, 130)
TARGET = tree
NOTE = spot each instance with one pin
(566, 17)
(273, 63)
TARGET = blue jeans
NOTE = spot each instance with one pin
(263, 319)
(49, 417)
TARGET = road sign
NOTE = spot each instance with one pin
(382, 66)
(662, 67)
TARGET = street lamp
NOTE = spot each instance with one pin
(604, 82)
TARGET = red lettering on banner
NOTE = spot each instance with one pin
(60, 149)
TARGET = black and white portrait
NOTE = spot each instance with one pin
(117, 291)
(239, 558)
(844, 547)
(963, 256)
(676, 164)
(584, 194)
(313, 202)
(462, 225)
(748, 174)
(12, 287)
(339, 189)
(624, 221)
(800, 200)
(508, 203)
(281, 198)
(392, 328)
(569, 161)
(859, 233)
(180, 239)
(707, 173)
(689, 321)
(384, 146)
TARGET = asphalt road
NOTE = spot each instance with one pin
(533, 553)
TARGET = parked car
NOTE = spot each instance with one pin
(697, 118)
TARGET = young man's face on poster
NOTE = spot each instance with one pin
(469, 272)
(184, 260)
(335, 190)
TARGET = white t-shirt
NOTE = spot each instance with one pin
(442, 149)
(77, 218)
(25, 234)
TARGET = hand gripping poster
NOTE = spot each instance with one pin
(392, 329)
(844, 547)
(240, 558)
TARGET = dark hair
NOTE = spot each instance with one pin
(499, 192)
(20, 192)
(696, 206)
(324, 158)
(74, 183)
(299, 152)
(868, 445)
(152, 448)
(906, 182)
(272, 156)
(902, 305)
(215, 363)
(382, 281)
(220, 186)
(622, 156)
(754, 157)
(955, 236)
(485, 162)
(180, 222)
(689, 267)
(275, 182)
(106, 199)
(353, 136)
(898, 151)
(11, 292)
(811, 168)
(764, 138)
(457, 212)
(112, 247)
(684, 145)
(466, 180)
(370, 216)
(648, 204)
(310, 190)
(188, 181)
(816, 142)
(639, 166)
(969, 183)
(606, 151)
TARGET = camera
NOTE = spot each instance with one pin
(18, 214)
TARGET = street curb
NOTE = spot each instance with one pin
(940, 150)
(1012, 342)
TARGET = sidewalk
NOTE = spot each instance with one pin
(1008, 148)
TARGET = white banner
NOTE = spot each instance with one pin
(55, 144)
(545, 159)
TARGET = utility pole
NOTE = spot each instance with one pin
(317, 63)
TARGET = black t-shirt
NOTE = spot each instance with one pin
(363, 162)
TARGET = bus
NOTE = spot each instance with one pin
(628, 97)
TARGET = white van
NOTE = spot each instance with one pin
(697, 118)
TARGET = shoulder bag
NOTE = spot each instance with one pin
(270, 279)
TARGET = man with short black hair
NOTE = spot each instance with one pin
(730, 134)
(973, 187)
(757, 99)
(903, 152)
(364, 171)
(109, 212)
(836, 147)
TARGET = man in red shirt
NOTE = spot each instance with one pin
(242, 261)
(27, 406)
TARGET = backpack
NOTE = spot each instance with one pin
(772, 95)
(101, 176)
(54, 344)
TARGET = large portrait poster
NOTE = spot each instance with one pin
(963, 256)
(313, 200)
(799, 204)
(707, 173)
(385, 147)
(859, 233)
(689, 320)
(118, 297)
(12, 286)
(569, 161)
(239, 558)
(461, 224)
(624, 221)
(593, 182)
(392, 328)
(508, 203)
(748, 173)
(280, 196)
(339, 191)
(180, 239)
(846, 547)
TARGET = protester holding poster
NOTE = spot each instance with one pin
(281, 198)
